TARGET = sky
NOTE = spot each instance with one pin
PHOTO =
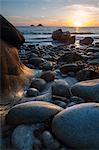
(51, 12)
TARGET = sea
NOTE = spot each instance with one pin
(42, 35)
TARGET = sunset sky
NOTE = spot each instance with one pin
(51, 12)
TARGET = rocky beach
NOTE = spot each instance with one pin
(59, 107)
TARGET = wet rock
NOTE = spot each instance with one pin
(37, 145)
(48, 76)
(38, 83)
(86, 41)
(32, 92)
(76, 99)
(87, 74)
(49, 141)
(36, 61)
(88, 90)
(60, 103)
(32, 112)
(78, 126)
(46, 66)
(22, 137)
(72, 40)
(61, 88)
(70, 57)
(57, 34)
(68, 68)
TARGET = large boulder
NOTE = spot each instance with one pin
(61, 36)
(88, 90)
(86, 41)
(78, 126)
(32, 112)
(86, 74)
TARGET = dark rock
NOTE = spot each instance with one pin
(70, 57)
(48, 141)
(46, 66)
(61, 88)
(22, 137)
(68, 68)
(48, 76)
(57, 34)
(88, 90)
(72, 40)
(36, 61)
(32, 112)
(87, 74)
(38, 83)
(78, 126)
(40, 25)
(60, 103)
(32, 92)
(86, 41)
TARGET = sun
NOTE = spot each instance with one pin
(77, 23)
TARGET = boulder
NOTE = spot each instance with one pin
(49, 141)
(56, 35)
(78, 126)
(36, 61)
(32, 92)
(48, 76)
(32, 112)
(68, 68)
(38, 83)
(88, 90)
(70, 57)
(86, 74)
(22, 137)
(61, 88)
(86, 41)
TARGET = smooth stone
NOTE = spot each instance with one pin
(60, 103)
(46, 66)
(61, 88)
(22, 137)
(49, 141)
(32, 92)
(32, 112)
(68, 68)
(36, 61)
(38, 83)
(78, 126)
(86, 74)
(48, 76)
(88, 90)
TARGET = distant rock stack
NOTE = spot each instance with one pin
(13, 73)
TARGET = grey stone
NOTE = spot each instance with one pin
(22, 137)
(49, 141)
(32, 92)
(61, 88)
(38, 83)
(78, 126)
(32, 112)
(88, 90)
